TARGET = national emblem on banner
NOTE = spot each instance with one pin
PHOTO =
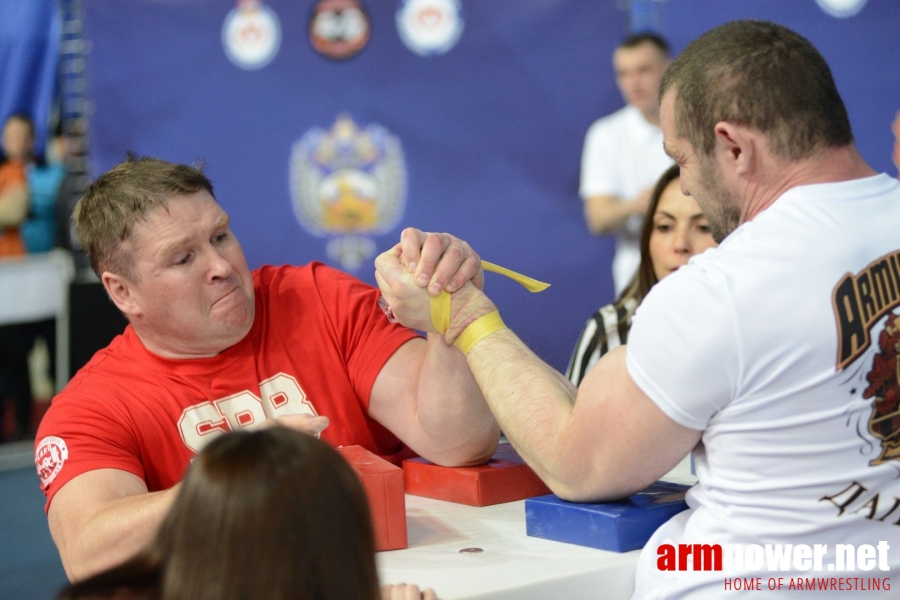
(251, 35)
(348, 184)
(429, 27)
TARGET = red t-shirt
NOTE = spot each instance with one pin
(317, 343)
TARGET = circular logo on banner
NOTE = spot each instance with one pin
(841, 9)
(429, 27)
(251, 35)
(339, 29)
(49, 457)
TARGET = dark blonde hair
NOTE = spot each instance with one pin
(759, 74)
(272, 514)
(121, 197)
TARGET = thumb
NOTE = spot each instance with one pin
(309, 424)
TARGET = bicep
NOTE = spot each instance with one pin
(392, 401)
(81, 498)
(623, 441)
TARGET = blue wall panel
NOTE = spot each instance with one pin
(29, 41)
(491, 131)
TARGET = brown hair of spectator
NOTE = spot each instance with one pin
(115, 201)
(646, 278)
(273, 514)
(762, 75)
(636, 39)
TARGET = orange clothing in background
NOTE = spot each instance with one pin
(11, 173)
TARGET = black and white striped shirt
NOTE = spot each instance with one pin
(606, 329)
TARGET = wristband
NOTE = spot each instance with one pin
(440, 312)
(479, 329)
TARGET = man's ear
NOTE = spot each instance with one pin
(120, 292)
(735, 147)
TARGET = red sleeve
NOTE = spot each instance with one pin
(368, 338)
(76, 436)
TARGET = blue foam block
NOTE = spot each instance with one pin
(618, 526)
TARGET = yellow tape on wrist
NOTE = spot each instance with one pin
(532, 285)
(440, 304)
(440, 312)
(479, 329)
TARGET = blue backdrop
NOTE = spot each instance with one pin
(29, 43)
(484, 139)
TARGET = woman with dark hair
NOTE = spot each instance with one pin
(273, 514)
(674, 230)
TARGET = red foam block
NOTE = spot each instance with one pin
(383, 483)
(504, 478)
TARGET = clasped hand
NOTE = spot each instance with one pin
(423, 265)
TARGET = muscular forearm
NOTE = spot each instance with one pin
(533, 404)
(116, 532)
(457, 424)
(610, 443)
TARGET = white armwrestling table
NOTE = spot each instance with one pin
(35, 287)
(510, 565)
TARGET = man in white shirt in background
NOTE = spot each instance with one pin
(623, 155)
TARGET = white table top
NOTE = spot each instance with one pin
(35, 286)
(511, 564)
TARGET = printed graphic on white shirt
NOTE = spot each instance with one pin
(863, 303)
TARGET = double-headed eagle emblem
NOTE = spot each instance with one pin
(348, 184)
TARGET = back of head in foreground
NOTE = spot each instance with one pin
(272, 514)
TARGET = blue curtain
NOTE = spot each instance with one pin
(490, 130)
(29, 47)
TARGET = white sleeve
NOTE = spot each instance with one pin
(683, 347)
(599, 172)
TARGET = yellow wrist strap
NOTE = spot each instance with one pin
(489, 323)
(479, 329)
(532, 285)
(440, 312)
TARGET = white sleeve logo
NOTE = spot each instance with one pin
(281, 396)
(49, 457)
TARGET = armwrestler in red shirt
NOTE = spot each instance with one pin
(212, 346)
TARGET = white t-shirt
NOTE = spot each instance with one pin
(777, 345)
(623, 155)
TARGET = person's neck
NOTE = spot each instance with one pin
(650, 115)
(164, 349)
(829, 165)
